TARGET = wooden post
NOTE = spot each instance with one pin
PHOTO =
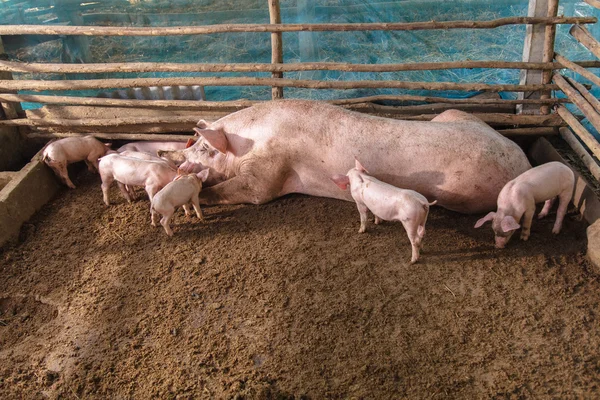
(585, 136)
(587, 160)
(548, 55)
(588, 110)
(586, 94)
(584, 37)
(276, 46)
(533, 51)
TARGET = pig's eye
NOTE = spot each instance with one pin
(204, 148)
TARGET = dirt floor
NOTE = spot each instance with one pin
(288, 300)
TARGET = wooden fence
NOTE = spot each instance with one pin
(538, 72)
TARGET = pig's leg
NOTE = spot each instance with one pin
(546, 209)
(153, 215)
(563, 203)
(186, 210)
(377, 220)
(241, 189)
(363, 210)
(107, 180)
(165, 221)
(124, 191)
(94, 162)
(527, 220)
(60, 169)
(196, 205)
(411, 228)
(90, 166)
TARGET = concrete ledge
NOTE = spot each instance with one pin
(27, 191)
(584, 197)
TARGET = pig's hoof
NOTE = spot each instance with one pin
(556, 231)
(540, 215)
(524, 237)
(362, 230)
(414, 260)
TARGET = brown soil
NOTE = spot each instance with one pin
(287, 300)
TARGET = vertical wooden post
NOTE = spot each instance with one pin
(276, 46)
(549, 52)
(533, 51)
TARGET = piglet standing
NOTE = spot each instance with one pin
(69, 150)
(183, 190)
(518, 199)
(129, 172)
(387, 203)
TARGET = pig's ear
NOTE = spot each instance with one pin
(190, 143)
(359, 166)
(216, 139)
(202, 124)
(341, 180)
(509, 224)
(485, 219)
(203, 175)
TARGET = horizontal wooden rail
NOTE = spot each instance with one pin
(115, 136)
(35, 85)
(12, 66)
(271, 28)
(174, 137)
(490, 118)
(239, 104)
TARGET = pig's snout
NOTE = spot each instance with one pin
(501, 242)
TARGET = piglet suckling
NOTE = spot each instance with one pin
(180, 192)
(518, 198)
(57, 155)
(388, 203)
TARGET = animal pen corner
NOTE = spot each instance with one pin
(529, 114)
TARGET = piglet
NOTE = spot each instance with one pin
(128, 171)
(69, 150)
(519, 197)
(183, 190)
(152, 147)
(387, 203)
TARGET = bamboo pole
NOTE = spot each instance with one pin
(59, 68)
(576, 68)
(490, 118)
(587, 160)
(114, 136)
(36, 85)
(276, 47)
(587, 138)
(235, 105)
(172, 137)
(224, 28)
(587, 109)
(593, 3)
(586, 94)
(584, 37)
(548, 55)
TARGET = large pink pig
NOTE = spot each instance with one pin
(519, 197)
(387, 203)
(128, 171)
(295, 146)
(57, 155)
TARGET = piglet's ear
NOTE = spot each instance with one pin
(216, 138)
(485, 219)
(359, 166)
(203, 175)
(509, 224)
(341, 180)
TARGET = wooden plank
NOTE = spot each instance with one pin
(584, 37)
(587, 109)
(580, 130)
(35, 85)
(585, 93)
(95, 68)
(576, 68)
(548, 54)
(586, 159)
(533, 51)
(271, 28)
